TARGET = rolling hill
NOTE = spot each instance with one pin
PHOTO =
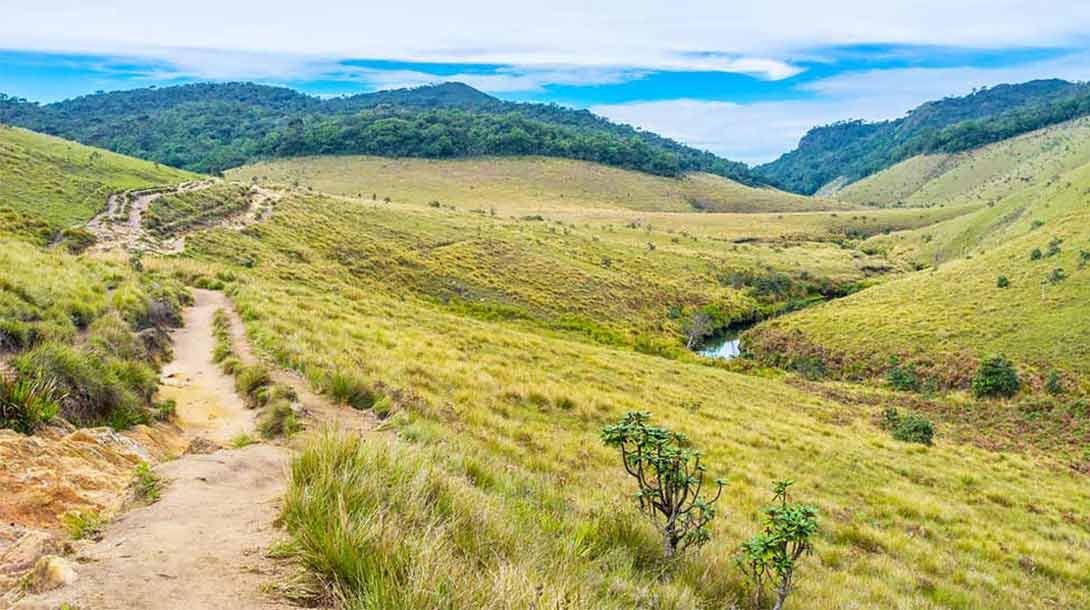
(212, 127)
(62, 182)
(852, 150)
(526, 185)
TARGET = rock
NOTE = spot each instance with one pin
(51, 572)
(27, 549)
(202, 446)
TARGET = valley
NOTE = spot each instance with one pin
(372, 382)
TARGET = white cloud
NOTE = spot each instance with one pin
(747, 37)
(760, 132)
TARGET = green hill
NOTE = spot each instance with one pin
(852, 150)
(526, 184)
(65, 183)
(212, 127)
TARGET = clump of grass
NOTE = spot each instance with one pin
(278, 419)
(147, 484)
(26, 404)
(250, 381)
(242, 439)
(83, 525)
(912, 428)
(346, 388)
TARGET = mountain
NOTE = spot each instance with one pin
(851, 150)
(211, 127)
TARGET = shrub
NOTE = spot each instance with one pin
(165, 410)
(771, 557)
(1002, 282)
(1054, 384)
(83, 525)
(900, 378)
(26, 405)
(670, 477)
(1035, 254)
(996, 377)
(1056, 276)
(1054, 247)
(914, 429)
(147, 484)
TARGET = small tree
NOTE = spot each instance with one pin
(996, 377)
(670, 477)
(698, 326)
(771, 556)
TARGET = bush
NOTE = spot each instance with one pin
(83, 525)
(914, 429)
(1054, 384)
(1002, 282)
(900, 378)
(1035, 254)
(147, 484)
(26, 405)
(771, 557)
(670, 477)
(1056, 276)
(996, 377)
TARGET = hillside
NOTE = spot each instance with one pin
(1032, 231)
(852, 150)
(63, 183)
(212, 127)
(526, 185)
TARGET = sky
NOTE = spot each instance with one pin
(744, 79)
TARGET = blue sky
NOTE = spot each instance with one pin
(745, 81)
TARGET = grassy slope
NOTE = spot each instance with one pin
(526, 185)
(498, 492)
(595, 278)
(1038, 188)
(66, 183)
(988, 174)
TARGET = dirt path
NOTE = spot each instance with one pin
(205, 396)
(202, 545)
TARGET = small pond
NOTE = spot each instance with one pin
(724, 346)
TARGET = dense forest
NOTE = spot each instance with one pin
(856, 149)
(212, 127)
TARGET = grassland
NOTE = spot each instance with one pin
(525, 185)
(65, 183)
(175, 212)
(497, 493)
(985, 175)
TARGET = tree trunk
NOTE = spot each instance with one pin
(781, 594)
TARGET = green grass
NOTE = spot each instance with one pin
(64, 183)
(523, 185)
(82, 525)
(147, 484)
(176, 211)
(497, 491)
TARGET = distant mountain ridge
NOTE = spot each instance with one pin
(210, 127)
(853, 150)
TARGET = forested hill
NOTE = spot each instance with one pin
(856, 149)
(211, 127)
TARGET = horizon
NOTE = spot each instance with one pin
(743, 82)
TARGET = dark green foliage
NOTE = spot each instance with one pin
(1054, 246)
(1056, 276)
(996, 377)
(26, 404)
(903, 378)
(914, 429)
(771, 557)
(212, 127)
(670, 478)
(1035, 254)
(76, 239)
(250, 381)
(1002, 282)
(1054, 384)
(856, 149)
